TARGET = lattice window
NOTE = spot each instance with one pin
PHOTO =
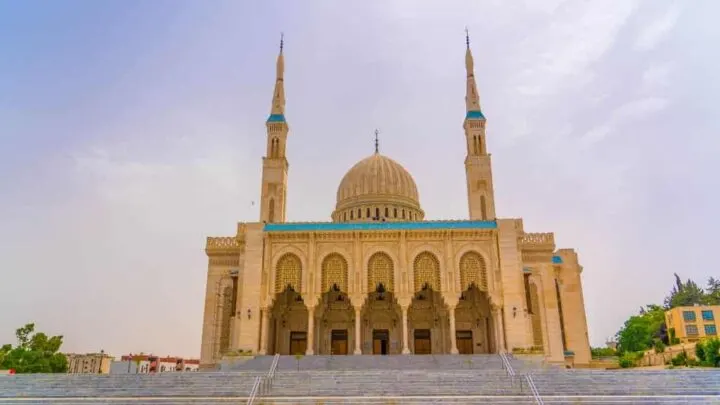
(427, 271)
(334, 271)
(473, 270)
(380, 270)
(288, 273)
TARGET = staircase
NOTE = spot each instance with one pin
(441, 379)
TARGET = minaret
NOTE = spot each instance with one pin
(273, 195)
(481, 198)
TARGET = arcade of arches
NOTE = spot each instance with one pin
(380, 323)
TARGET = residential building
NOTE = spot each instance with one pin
(90, 363)
(690, 324)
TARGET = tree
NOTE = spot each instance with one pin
(34, 353)
(712, 296)
(684, 294)
(641, 331)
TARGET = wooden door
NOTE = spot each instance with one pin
(381, 340)
(422, 341)
(464, 341)
(298, 343)
(339, 341)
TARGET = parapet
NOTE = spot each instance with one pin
(538, 241)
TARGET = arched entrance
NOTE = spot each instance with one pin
(428, 323)
(288, 323)
(381, 319)
(474, 324)
(335, 324)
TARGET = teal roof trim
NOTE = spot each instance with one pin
(377, 226)
(557, 260)
(474, 115)
(527, 270)
(276, 118)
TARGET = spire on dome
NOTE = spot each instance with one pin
(277, 112)
(377, 142)
(472, 98)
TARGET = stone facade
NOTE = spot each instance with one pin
(380, 279)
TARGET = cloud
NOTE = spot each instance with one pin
(656, 76)
(652, 33)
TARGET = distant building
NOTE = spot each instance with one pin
(90, 363)
(148, 363)
(690, 324)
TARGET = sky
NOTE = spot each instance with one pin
(131, 130)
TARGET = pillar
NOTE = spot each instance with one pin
(405, 349)
(453, 340)
(265, 330)
(358, 335)
(499, 332)
(310, 332)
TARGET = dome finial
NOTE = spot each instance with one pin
(377, 142)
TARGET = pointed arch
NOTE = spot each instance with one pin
(288, 273)
(381, 270)
(426, 269)
(473, 270)
(334, 271)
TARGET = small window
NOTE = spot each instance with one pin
(367, 212)
(359, 213)
(708, 316)
(689, 316)
(377, 213)
(710, 330)
(351, 214)
(691, 330)
(403, 214)
(344, 216)
(387, 212)
(395, 212)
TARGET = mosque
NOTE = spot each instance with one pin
(381, 279)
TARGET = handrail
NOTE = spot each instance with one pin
(254, 390)
(534, 390)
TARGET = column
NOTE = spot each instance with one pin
(310, 332)
(405, 349)
(500, 333)
(265, 330)
(358, 335)
(453, 340)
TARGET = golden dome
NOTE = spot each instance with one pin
(377, 188)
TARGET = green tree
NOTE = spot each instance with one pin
(712, 296)
(685, 294)
(641, 331)
(35, 352)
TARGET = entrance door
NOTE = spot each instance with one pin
(298, 343)
(381, 341)
(464, 341)
(339, 341)
(422, 341)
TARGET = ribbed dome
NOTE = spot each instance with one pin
(377, 188)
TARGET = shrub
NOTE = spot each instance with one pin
(630, 359)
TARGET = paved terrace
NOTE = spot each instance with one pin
(371, 380)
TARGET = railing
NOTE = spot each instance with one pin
(254, 390)
(509, 369)
(263, 384)
(534, 390)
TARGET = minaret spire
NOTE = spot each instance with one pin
(278, 103)
(472, 99)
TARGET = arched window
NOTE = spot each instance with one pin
(288, 273)
(403, 214)
(271, 210)
(381, 271)
(359, 213)
(475, 145)
(344, 216)
(387, 212)
(377, 213)
(427, 271)
(368, 213)
(473, 271)
(483, 207)
(334, 272)
(351, 214)
(395, 212)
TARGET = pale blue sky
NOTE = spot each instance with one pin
(130, 130)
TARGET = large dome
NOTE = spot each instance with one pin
(377, 188)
